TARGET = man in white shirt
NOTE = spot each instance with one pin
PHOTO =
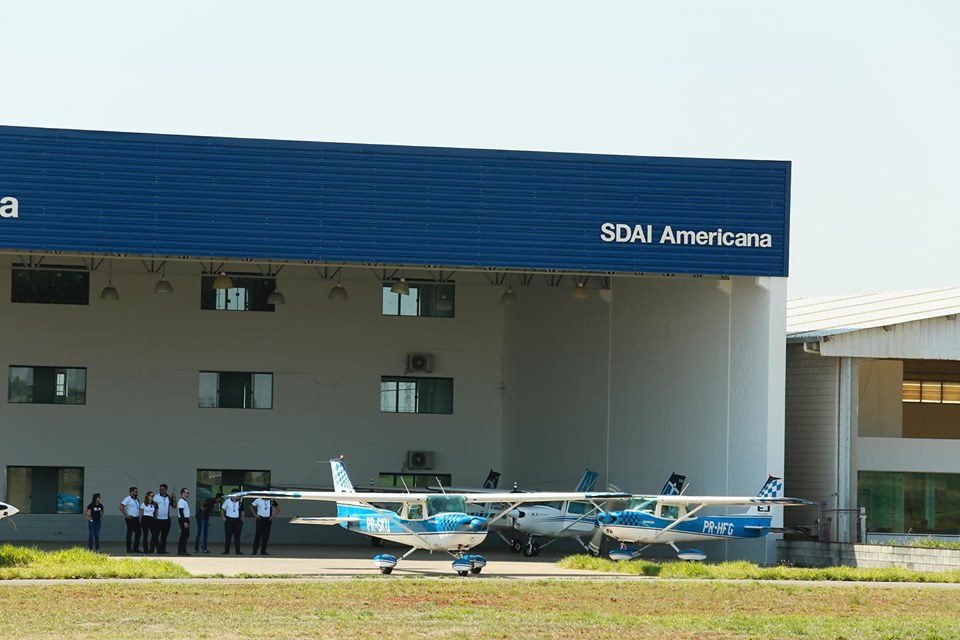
(130, 508)
(163, 518)
(183, 510)
(263, 510)
(232, 513)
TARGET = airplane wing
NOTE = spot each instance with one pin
(708, 501)
(324, 521)
(501, 496)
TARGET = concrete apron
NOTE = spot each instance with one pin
(337, 562)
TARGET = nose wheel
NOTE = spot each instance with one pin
(531, 549)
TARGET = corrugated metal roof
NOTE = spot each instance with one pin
(162, 195)
(817, 317)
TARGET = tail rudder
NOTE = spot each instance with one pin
(341, 481)
(772, 488)
(674, 485)
(587, 481)
(493, 479)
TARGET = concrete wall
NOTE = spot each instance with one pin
(691, 380)
(881, 398)
(142, 426)
(871, 556)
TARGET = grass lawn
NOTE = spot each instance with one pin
(392, 607)
(32, 563)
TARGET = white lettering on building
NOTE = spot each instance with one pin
(9, 207)
(633, 233)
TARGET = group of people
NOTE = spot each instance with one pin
(151, 519)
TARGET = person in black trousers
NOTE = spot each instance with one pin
(130, 508)
(263, 510)
(232, 513)
(183, 510)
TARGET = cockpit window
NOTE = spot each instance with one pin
(641, 504)
(415, 511)
(446, 504)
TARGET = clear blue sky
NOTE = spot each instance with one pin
(863, 97)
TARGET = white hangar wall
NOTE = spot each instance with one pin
(142, 425)
(677, 374)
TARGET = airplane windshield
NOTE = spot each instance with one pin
(446, 504)
(641, 504)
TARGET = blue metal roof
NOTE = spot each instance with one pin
(167, 195)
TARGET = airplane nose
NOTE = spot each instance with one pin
(607, 518)
(515, 513)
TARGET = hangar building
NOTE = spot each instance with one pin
(219, 313)
(873, 410)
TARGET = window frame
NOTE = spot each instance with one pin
(23, 270)
(56, 370)
(255, 302)
(424, 294)
(418, 382)
(249, 395)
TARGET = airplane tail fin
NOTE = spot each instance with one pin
(674, 485)
(341, 481)
(772, 488)
(493, 479)
(587, 481)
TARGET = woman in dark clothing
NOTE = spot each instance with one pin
(148, 522)
(94, 512)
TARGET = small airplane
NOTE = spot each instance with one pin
(428, 521)
(7, 510)
(569, 519)
(670, 519)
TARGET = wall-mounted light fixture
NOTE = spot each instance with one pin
(401, 286)
(276, 297)
(580, 292)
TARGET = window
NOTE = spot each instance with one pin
(46, 489)
(236, 390)
(249, 293)
(416, 395)
(50, 285)
(899, 502)
(426, 299)
(414, 480)
(47, 385)
(931, 391)
(210, 482)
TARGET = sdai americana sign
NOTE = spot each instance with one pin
(646, 234)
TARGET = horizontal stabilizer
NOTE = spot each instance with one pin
(325, 521)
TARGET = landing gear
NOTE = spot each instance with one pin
(386, 570)
(531, 549)
(385, 562)
(516, 545)
(469, 563)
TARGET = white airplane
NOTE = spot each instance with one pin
(7, 510)
(428, 521)
(567, 519)
(650, 520)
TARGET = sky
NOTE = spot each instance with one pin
(862, 97)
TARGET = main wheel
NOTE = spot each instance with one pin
(475, 570)
(535, 549)
(527, 551)
(386, 570)
(516, 546)
(462, 574)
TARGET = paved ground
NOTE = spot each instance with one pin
(317, 561)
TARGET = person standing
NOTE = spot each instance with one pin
(183, 511)
(148, 523)
(263, 510)
(163, 518)
(130, 508)
(203, 523)
(94, 511)
(232, 513)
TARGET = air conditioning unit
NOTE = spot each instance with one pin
(419, 363)
(420, 460)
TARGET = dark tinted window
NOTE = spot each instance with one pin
(249, 293)
(50, 285)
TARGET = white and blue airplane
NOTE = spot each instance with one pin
(7, 510)
(428, 521)
(568, 519)
(671, 519)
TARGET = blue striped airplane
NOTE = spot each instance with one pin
(427, 521)
(670, 519)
